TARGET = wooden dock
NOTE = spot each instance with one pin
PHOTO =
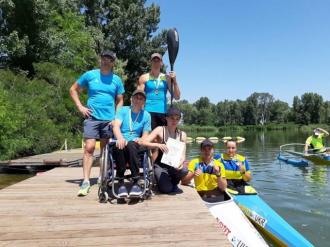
(45, 211)
(71, 157)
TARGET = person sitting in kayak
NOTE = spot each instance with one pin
(208, 173)
(236, 166)
(316, 142)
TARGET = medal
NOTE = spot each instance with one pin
(131, 123)
(157, 83)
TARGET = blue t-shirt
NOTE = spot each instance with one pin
(156, 89)
(133, 125)
(102, 92)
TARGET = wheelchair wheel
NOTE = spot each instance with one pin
(104, 163)
(103, 196)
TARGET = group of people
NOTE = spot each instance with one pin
(147, 119)
(147, 123)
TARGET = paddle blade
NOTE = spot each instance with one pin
(172, 45)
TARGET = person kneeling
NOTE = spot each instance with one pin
(168, 177)
(208, 173)
(131, 124)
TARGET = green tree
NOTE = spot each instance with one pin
(204, 114)
(258, 107)
(129, 28)
(279, 112)
(188, 111)
(312, 104)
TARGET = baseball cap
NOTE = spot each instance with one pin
(172, 111)
(207, 143)
(110, 54)
(138, 91)
(156, 55)
(317, 132)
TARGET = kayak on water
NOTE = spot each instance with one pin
(231, 220)
(296, 149)
(266, 219)
(295, 162)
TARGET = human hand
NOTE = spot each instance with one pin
(86, 112)
(172, 76)
(198, 172)
(162, 147)
(241, 167)
(138, 141)
(121, 143)
(216, 170)
(208, 169)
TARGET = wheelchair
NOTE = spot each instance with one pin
(109, 180)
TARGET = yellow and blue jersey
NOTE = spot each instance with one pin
(205, 181)
(231, 165)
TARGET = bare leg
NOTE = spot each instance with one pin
(88, 157)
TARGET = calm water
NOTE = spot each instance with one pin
(8, 179)
(299, 195)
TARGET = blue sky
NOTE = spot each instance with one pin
(232, 48)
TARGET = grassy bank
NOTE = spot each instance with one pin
(208, 131)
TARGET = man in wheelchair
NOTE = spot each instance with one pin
(130, 125)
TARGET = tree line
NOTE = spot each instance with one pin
(45, 45)
(257, 109)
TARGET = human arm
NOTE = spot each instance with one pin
(325, 133)
(244, 169)
(74, 93)
(192, 172)
(219, 171)
(171, 78)
(120, 117)
(119, 101)
(307, 144)
(141, 82)
(148, 140)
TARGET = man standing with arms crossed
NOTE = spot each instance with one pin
(105, 95)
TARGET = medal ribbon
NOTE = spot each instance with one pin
(131, 123)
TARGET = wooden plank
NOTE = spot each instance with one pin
(58, 158)
(45, 211)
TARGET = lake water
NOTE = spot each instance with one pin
(299, 194)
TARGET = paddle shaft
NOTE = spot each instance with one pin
(172, 86)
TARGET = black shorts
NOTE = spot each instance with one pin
(157, 119)
(97, 129)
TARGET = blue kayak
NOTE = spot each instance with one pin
(269, 222)
(295, 162)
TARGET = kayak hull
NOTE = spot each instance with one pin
(234, 224)
(269, 222)
(294, 162)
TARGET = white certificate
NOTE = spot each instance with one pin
(174, 154)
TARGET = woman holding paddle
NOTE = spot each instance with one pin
(156, 84)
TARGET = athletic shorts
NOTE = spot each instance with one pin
(97, 129)
(157, 119)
